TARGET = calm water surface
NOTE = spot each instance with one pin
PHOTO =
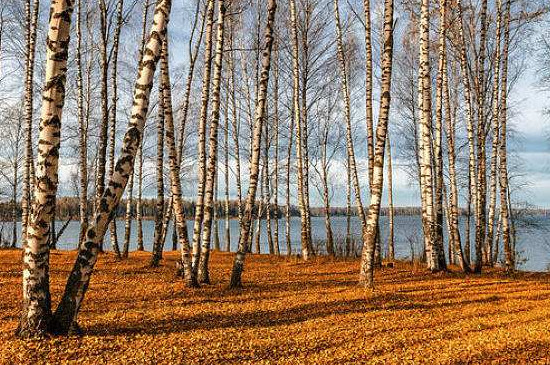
(533, 244)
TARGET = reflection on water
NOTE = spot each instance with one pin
(534, 251)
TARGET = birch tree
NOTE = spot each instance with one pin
(36, 308)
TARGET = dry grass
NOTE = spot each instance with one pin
(289, 312)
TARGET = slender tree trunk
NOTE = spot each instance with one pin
(212, 165)
(226, 176)
(426, 151)
(326, 194)
(65, 318)
(31, 16)
(238, 264)
(489, 241)
(370, 233)
(438, 135)
(299, 134)
(276, 147)
(391, 242)
(267, 193)
(472, 186)
(175, 180)
(83, 130)
(454, 213)
(158, 240)
(129, 216)
(36, 308)
(139, 209)
(199, 203)
(235, 124)
(104, 127)
(481, 218)
(113, 117)
(287, 193)
(503, 167)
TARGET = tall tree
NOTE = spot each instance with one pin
(65, 317)
(302, 202)
(113, 115)
(175, 179)
(238, 264)
(199, 203)
(503, 167)
(370, 234)
(212, 165)
(433, 245)
(31, 18)
(36, 309)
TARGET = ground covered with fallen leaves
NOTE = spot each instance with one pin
(289, 312)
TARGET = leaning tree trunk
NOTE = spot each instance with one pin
(199, 207)
(238, 264)
(65, 318)
(212, 166)
(175, 179)
(369, 239)
(36, 308)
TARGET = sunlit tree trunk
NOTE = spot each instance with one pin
(438, 135)
(472, 184)
(489, 241)
(36, 307)
(287, 181)
(276, 147)
(426, 151)
(65, 318)
(235, 123)
(391, 235)
(226, 176)
(212, 165)
(113, 117)
(299, 134)
(83, 130)
(104, 125)
(158, 238)
(370, 233)
(503, 167)
(481, 218)
(454, 213)
(259, 116)
(347, 108)
(203, 116)
(267, 193)
(139, 209)
(175, 179)
(31, 18)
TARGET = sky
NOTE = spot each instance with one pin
(530, 143)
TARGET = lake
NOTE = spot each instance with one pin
(533, 245)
